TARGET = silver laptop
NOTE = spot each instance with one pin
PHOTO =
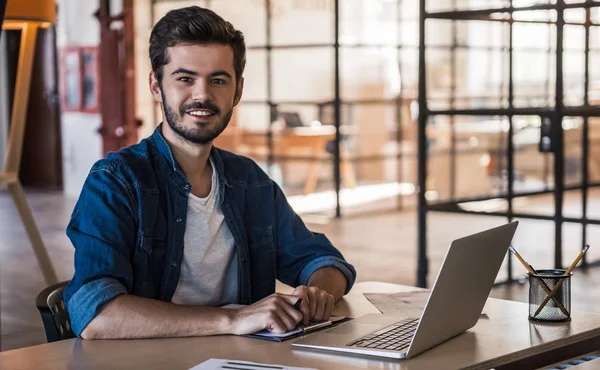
(456, 301)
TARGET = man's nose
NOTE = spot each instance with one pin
(200, 92)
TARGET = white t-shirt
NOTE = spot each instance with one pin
(209, 270)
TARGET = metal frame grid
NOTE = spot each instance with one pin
(554, 114)
(337, 103)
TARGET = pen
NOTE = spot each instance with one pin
(532, 271)
(560, 282)
(297, 304)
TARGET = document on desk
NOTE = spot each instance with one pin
(409, 304)
(215, 363)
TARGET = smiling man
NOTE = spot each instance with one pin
(168, 231)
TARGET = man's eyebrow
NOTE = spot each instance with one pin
(221, 73)
(184, 71)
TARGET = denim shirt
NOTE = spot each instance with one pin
(129, 222)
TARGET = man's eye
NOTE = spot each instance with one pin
(184, 79)
(218, 81)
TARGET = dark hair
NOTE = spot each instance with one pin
(194, 25)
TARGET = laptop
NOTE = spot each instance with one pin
(291, 119)
(454, 305)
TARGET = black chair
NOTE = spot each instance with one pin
(54, 312)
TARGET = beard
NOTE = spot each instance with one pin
(199, 135)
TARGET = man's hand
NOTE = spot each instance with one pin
(276, 313)
(316, 305)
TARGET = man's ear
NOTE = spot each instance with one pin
(155, 87)
(238, 92)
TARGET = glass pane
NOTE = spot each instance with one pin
(535, 15)
(300, 22)
(409, 70)
(534, 241)
(593, 234)
(480, 144)
(534, 65)
(575, 15)
(594, 155)
(438, 78)
(572, 242)
(595, 37)
(438, 159)
(439, 32)
(593, 205)
(595, 14)
(409, 32)
(444, 6)
(247, 16)
(298, 175)
(574, 38)
(303, 75)
(409, 10)
(255, 76)
(372, 22)
(533, 169)
(369, 73)
(534, 78)
(573, 204)
(572, 136)
(253, 116)
(594, 95)
(161, 8)
(574, 78)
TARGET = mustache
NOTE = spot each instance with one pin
(199, 105)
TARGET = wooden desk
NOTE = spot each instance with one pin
(307, 142)
(503, 340)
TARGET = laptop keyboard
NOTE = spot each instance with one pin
(392, 338)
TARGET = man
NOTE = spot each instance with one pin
(168, 231)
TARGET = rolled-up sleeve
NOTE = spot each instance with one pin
(102, 231)
(329, 261)
(301, 252)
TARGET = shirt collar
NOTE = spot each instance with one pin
(165, 151)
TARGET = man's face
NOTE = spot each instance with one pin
(198, 91)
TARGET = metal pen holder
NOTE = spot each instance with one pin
(550, 296)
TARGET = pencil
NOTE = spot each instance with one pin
(560, 282)
(525, 264)
(532, 271)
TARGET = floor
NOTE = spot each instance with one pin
(382, 247)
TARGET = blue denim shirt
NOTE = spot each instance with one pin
(129, 222)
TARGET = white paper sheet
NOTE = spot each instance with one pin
(215, 364)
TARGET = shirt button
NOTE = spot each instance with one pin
(173, 264)
(178, 220)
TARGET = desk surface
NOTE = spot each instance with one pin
(504, 337)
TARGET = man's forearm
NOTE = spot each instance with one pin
(128, 316)
(330, 280)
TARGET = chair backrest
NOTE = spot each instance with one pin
(53, 310)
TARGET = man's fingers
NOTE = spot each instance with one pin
(289, 316)
(312, 304)
(329, 303)
(275, 325)
(321, 303)
(305, 310)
